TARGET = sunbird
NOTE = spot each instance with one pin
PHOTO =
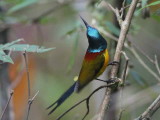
(95, 62)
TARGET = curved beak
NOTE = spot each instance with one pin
(86, 24)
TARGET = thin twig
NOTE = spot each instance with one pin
(150, 110)
(27, 71)
(123, 8)
(109, 35)
(124, 30)
(122, 84)
(87, 101)
(11, 94)
(156, 64)
(116, 12)
(125, 69)
(30, 101)
(144, 64)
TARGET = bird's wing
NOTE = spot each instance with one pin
(90, 70)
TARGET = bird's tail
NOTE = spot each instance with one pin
(62, 98)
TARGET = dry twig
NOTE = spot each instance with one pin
(3, 112)
(150, 110)
(30, 101)
(122, 84)
(27, 71)
(87, 99)
(144, 64)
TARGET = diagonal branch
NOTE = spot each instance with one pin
(30, 101)
(11, 94)
(150, 110)
(87, 99)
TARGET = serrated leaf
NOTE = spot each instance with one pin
(22, 5)
(5, 58)
(28, 48)
(10, 44)
(151, 4)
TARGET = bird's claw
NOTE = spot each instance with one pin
(114, 63)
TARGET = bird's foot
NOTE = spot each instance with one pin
(114, 63)
(111, 80)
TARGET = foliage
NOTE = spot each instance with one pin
(13, 46)
(21, 5)
(148, 5)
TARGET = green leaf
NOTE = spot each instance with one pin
(22, 5)
(5, 58)
(113, 28)
(28, 48)
(151, 4)
(10, 44)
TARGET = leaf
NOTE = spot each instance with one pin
(28, 48)
(22, 5)
(151, 4)
(5, 58)
(113, 28)
(10, 44)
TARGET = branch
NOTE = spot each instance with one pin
(155, 61)
(116, 12)
(156, 64)
(126, 66)
(124, 30)
(30, 101)
(150, 110)
(122, 84)
(144, 64)
(87, 99)
(27, 71)
(11, 94)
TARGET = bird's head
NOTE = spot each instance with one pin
(91, 31)
(95, 39)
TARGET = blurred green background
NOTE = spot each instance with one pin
(56, 23)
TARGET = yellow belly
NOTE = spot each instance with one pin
(106, 55)
(92, 69)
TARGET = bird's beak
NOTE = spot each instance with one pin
(86, 24)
